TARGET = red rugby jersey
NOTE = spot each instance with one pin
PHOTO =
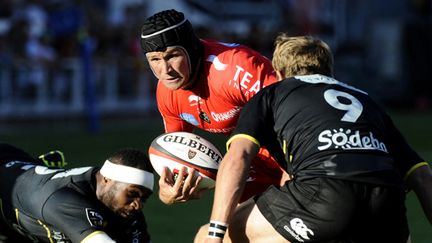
(231, 75)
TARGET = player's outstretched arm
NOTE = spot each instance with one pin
(230, 181)
(420, 181)
(181, 189)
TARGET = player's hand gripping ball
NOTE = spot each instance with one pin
(177, 149)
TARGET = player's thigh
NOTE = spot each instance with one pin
(249, 225)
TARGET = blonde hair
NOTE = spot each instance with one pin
(302, 55)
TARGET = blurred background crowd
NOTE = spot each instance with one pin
(72, 58)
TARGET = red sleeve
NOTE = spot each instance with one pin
(167, 106)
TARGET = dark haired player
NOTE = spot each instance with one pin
(204, 83)
(87, 204)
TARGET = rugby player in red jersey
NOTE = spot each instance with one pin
(204, 84)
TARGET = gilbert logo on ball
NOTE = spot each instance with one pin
(177, 149)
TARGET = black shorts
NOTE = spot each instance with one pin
(331, 210)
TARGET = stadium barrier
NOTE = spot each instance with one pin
(38, 90)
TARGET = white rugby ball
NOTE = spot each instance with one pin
(177, 149)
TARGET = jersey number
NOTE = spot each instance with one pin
(353, 110)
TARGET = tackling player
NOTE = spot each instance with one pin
(87, 204)
(346, 158)
(204, 83)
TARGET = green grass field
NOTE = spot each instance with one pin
(178, 223)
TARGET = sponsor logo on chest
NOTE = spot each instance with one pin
(245, 81)
(198, 102)
(219, 117)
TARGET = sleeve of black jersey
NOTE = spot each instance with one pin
(73, 214)
(255, 118)
(406, 159)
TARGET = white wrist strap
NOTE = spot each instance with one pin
(127, 174)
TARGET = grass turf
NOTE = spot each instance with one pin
(178, 223)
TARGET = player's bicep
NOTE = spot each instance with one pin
(244, 146)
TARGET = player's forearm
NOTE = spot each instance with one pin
(420, 181)
(231, 179)
(229, 186)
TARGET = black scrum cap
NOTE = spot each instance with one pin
(170, 28)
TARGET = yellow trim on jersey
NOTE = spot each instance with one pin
(91, 235)
(17, 215)
(248, 137)
(48, 231)
(415, 167)
(284, 147)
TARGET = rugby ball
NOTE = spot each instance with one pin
(177, 149)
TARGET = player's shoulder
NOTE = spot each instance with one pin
(70, 201)
(229, 51)
(68, 195)
(285, 85)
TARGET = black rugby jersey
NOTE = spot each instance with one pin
(317, 126)
(56, 205)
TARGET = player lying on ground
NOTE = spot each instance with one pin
(87, 204)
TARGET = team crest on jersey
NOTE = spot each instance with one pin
(191, 154)
(189, 118)
(94, 218)
(204, 117)
(194, 100)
